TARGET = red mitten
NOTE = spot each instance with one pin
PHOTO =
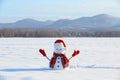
(42, 52)
(76, 52)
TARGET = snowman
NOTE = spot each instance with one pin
(59, 60)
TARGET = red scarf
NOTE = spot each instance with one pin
(64, 60)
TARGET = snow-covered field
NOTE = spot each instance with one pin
(99, 59)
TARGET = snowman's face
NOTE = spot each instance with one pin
(59, 48)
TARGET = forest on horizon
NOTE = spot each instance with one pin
(9, 32)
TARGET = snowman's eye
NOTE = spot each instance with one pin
(57, 49)
(60, 48)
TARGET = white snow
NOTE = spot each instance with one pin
(99, 59)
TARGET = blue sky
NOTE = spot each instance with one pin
(13, 10)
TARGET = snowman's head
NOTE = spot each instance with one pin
(59, 47)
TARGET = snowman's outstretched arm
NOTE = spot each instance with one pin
(43, 53)
(76, 52)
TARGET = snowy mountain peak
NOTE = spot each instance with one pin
(103, 16)
(27, 20)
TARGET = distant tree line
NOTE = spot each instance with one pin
(9, 32)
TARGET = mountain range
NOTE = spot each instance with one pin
(95, 23)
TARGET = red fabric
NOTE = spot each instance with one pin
(42, 52)
(60, 41)
(64, 60)
(76, 52)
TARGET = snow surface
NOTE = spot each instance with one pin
(99, 59)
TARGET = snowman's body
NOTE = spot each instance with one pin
(58, 64)
(59, 61)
